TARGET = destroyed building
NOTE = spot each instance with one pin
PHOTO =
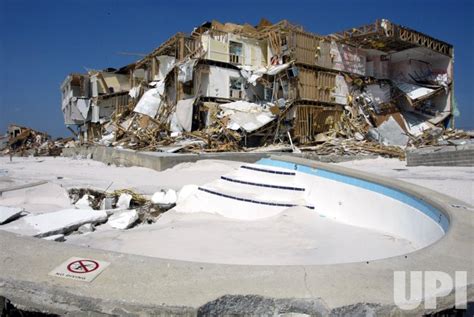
(24, 141)
(228, 86)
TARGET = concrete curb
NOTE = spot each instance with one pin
(160, 161)
(155, 160)
(136, 285)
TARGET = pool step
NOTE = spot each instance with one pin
(264, 190)
(266, 175)
(241, 206)
(243, 181)
(252, 192)
(265, 169)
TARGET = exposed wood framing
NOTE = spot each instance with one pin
(313, 85)
(393, 36)
(303, 46)
(423, 40)
(311, 120)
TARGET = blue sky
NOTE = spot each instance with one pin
(42, 41)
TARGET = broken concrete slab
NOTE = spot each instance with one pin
(55, 237)
(47, 197)
(84, 202)
(123, 220)
(390, 133)
(229, 305)
(88, 227)
(124, 201)
(8, 214)
(167, 197)
(52, 223)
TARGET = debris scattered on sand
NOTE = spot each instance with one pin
(123, 219)
(24, 141)
(59, 222)
(8, 214)
(167, 197)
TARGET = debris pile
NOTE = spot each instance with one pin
(120, 209)
(229, 87)
(354, 147)
(140, 208)
(440, 137)
(23, 141)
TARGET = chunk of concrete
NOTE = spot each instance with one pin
(40, 199)
(171, 197)
(88, 227)
(8, 214)
(167, 197)
(55, 237)
(123, 219)
(84, 202)
(52, 223)
(158, 197)
(390, 133)
(124, 201)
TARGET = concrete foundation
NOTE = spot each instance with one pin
(160, 161)
(462, 155)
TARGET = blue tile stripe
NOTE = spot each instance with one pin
(267, 171)
(268, 203)
(403, 197)
(262, 185)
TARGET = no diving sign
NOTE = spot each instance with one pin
(80, 269)
(83, 266)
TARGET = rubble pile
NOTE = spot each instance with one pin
(140, 132)
(354, 147)
(442, 137)
(23, 141)
(147, 210)
(120, 209)
(229, 87)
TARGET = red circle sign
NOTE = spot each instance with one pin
(82, 266)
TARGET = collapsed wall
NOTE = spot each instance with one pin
(227, 87)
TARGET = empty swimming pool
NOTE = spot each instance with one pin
(277, 212)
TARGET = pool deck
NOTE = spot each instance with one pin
(137, 285)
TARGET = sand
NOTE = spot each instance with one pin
(83, 173)
(457, 182)
(295, 236)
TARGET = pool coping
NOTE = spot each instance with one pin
(141, 285)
